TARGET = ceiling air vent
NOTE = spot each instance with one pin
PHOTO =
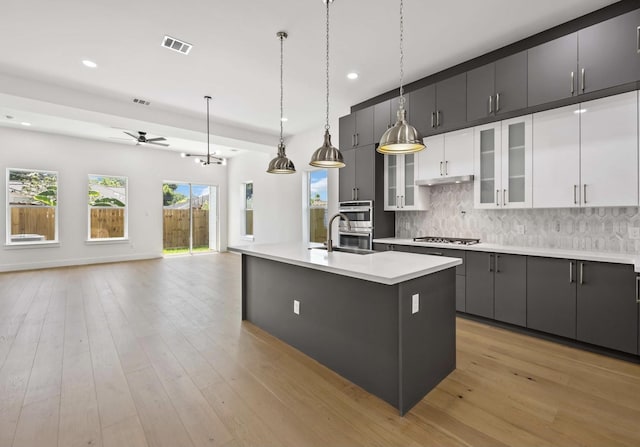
(176, 45)
(141, 101)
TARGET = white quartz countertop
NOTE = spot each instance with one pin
(580, 255)
(389, 267)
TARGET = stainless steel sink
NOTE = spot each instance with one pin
(355, 251)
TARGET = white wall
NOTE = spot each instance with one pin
(278, 203)
(74, 159)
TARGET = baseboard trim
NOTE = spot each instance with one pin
(76, 262)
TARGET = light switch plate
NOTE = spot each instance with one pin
(296, 307)
(415, 303)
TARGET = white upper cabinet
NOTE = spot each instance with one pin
(587, 154)
(447, 155)
(503, 164)
(556, 158)
(609, 151)
(400, 190)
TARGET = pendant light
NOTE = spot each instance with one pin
(281, 164)
(402, 138)
(327, 156)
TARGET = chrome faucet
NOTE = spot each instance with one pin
(329, 241)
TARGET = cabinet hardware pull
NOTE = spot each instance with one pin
(584, 199)
(490, 104)
(433, 120)
(440, 168)
(570, 272)
(497, 265)
(357, 140)
(581, 273)
(575, 194)
(446, 167)
(438, 118)
(572, 83)
(637, 281)
(638, 38)
(497, 102)
(402, 201)
(504, 199)
(497, 197)
(397, 201)
(582, 80)
(490, 263)
(353, 140)
(357, 191)
(436, 253)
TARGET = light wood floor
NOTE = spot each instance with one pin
(154, 353)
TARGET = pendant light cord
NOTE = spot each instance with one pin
(326, 126)
(281, 87)
(402, 100)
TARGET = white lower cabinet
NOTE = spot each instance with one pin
(587, 154)
(503, 164)
(400, 190)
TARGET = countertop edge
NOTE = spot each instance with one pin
(616, 258)
(453, 262)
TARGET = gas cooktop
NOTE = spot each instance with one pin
(446, 240)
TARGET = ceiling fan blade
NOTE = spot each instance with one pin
(119, 138)
(131, 135)
(157, 144)
(149, 140)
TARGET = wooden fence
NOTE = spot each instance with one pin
(176, 228)
(318, 226)
(107, 222)
(35, 220)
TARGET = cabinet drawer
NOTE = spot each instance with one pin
(447, 252)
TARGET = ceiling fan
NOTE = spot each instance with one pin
(141, 138)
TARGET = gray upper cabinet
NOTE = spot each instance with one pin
(510, 297)
(357, 180)
(497, 88)
(552, 70)
(551, 296)
(381, 119)
(607, 313)
(609, 53)
(423, 106)
(451, 103)
(479, 299)
(356, 129)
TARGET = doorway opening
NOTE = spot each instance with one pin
(190, 218)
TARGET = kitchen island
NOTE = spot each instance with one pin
(385, 321)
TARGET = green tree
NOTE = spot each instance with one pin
(170, 196)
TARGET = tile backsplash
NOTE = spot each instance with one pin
(452, 214)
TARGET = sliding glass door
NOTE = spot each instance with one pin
(190, 218)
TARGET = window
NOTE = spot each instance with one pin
(32, 202)
(317, 188)
(107, 202)
(247, 209)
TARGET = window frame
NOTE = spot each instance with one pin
(102, 240)
(8, 236)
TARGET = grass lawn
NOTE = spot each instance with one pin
(184, 251)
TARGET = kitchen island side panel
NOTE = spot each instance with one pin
(347, 324)
(427, 337)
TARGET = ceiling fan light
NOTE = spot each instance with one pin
(401, 138)
(327, 156)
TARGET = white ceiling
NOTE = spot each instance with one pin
(235, 57)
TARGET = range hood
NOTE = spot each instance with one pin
(445, 180)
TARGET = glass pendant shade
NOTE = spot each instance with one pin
(401, 138)
(327, 156)
(281, 164)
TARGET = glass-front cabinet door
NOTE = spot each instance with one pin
(400, 190)
(391, 196)
(503, 160)
(409, 179)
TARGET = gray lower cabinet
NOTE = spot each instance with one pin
(607, 311)
(460, 270)
(552, 70)
(480, 285)
(609, 53)
(551, 296)
(510, 294)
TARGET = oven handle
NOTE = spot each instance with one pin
(355, 208)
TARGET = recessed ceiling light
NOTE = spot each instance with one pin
(88, 63)
(284, 119)
(352, 75)
(579, 111)
(24, 123)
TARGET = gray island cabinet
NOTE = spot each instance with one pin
(385, 321)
